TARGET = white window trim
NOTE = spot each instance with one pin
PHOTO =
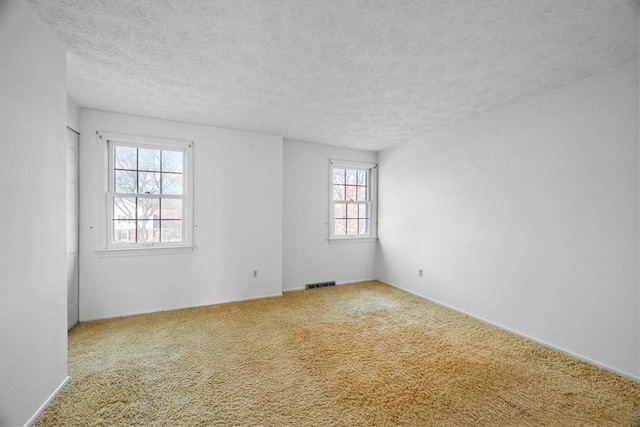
(140, 251)
(186, 246)
(360, 238)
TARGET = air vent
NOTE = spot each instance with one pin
(319, 285)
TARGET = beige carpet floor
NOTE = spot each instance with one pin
(356, 355)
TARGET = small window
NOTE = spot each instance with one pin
(352, 212)
(124, 236)
(149, 195)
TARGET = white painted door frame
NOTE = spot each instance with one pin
(73, 288)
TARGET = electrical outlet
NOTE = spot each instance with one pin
(255, 273)
(421, 273)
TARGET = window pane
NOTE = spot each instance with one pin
(362, 177)
(340, 228)
(148, 160)
(171, 209)
(124, 181)
(171, 231)
(352, 226)
(124, 208)
(148, 231)
(351, 176)
(124, 231)
(352, 210)
(148, 192)
(148, 208)
(125, 158)
(363, 210)
(171, 183)
(352, 200)
(171, 161)
(149, 182)
(350, 192)
(362, 193)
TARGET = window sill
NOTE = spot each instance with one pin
(343, 240)
(166, 250)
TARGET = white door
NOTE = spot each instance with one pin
(72, 228)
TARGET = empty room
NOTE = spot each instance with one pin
(319, 213)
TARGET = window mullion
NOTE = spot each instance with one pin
(160, 207)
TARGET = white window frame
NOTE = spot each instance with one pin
(112, 139)
(372, 170)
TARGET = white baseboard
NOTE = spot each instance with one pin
(355, 281)
(185, 307)
(349, 282)
(278, 294)
(46, 403)
(520, 334)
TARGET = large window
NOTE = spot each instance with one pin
(353, 200)
(149, 192)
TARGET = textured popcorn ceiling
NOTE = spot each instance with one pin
(362, 74)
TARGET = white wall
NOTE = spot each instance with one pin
(33, 316)
(73, 115)
(308, 256)
(527, 217)
(237, 213)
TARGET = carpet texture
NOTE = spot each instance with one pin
(364, 354)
